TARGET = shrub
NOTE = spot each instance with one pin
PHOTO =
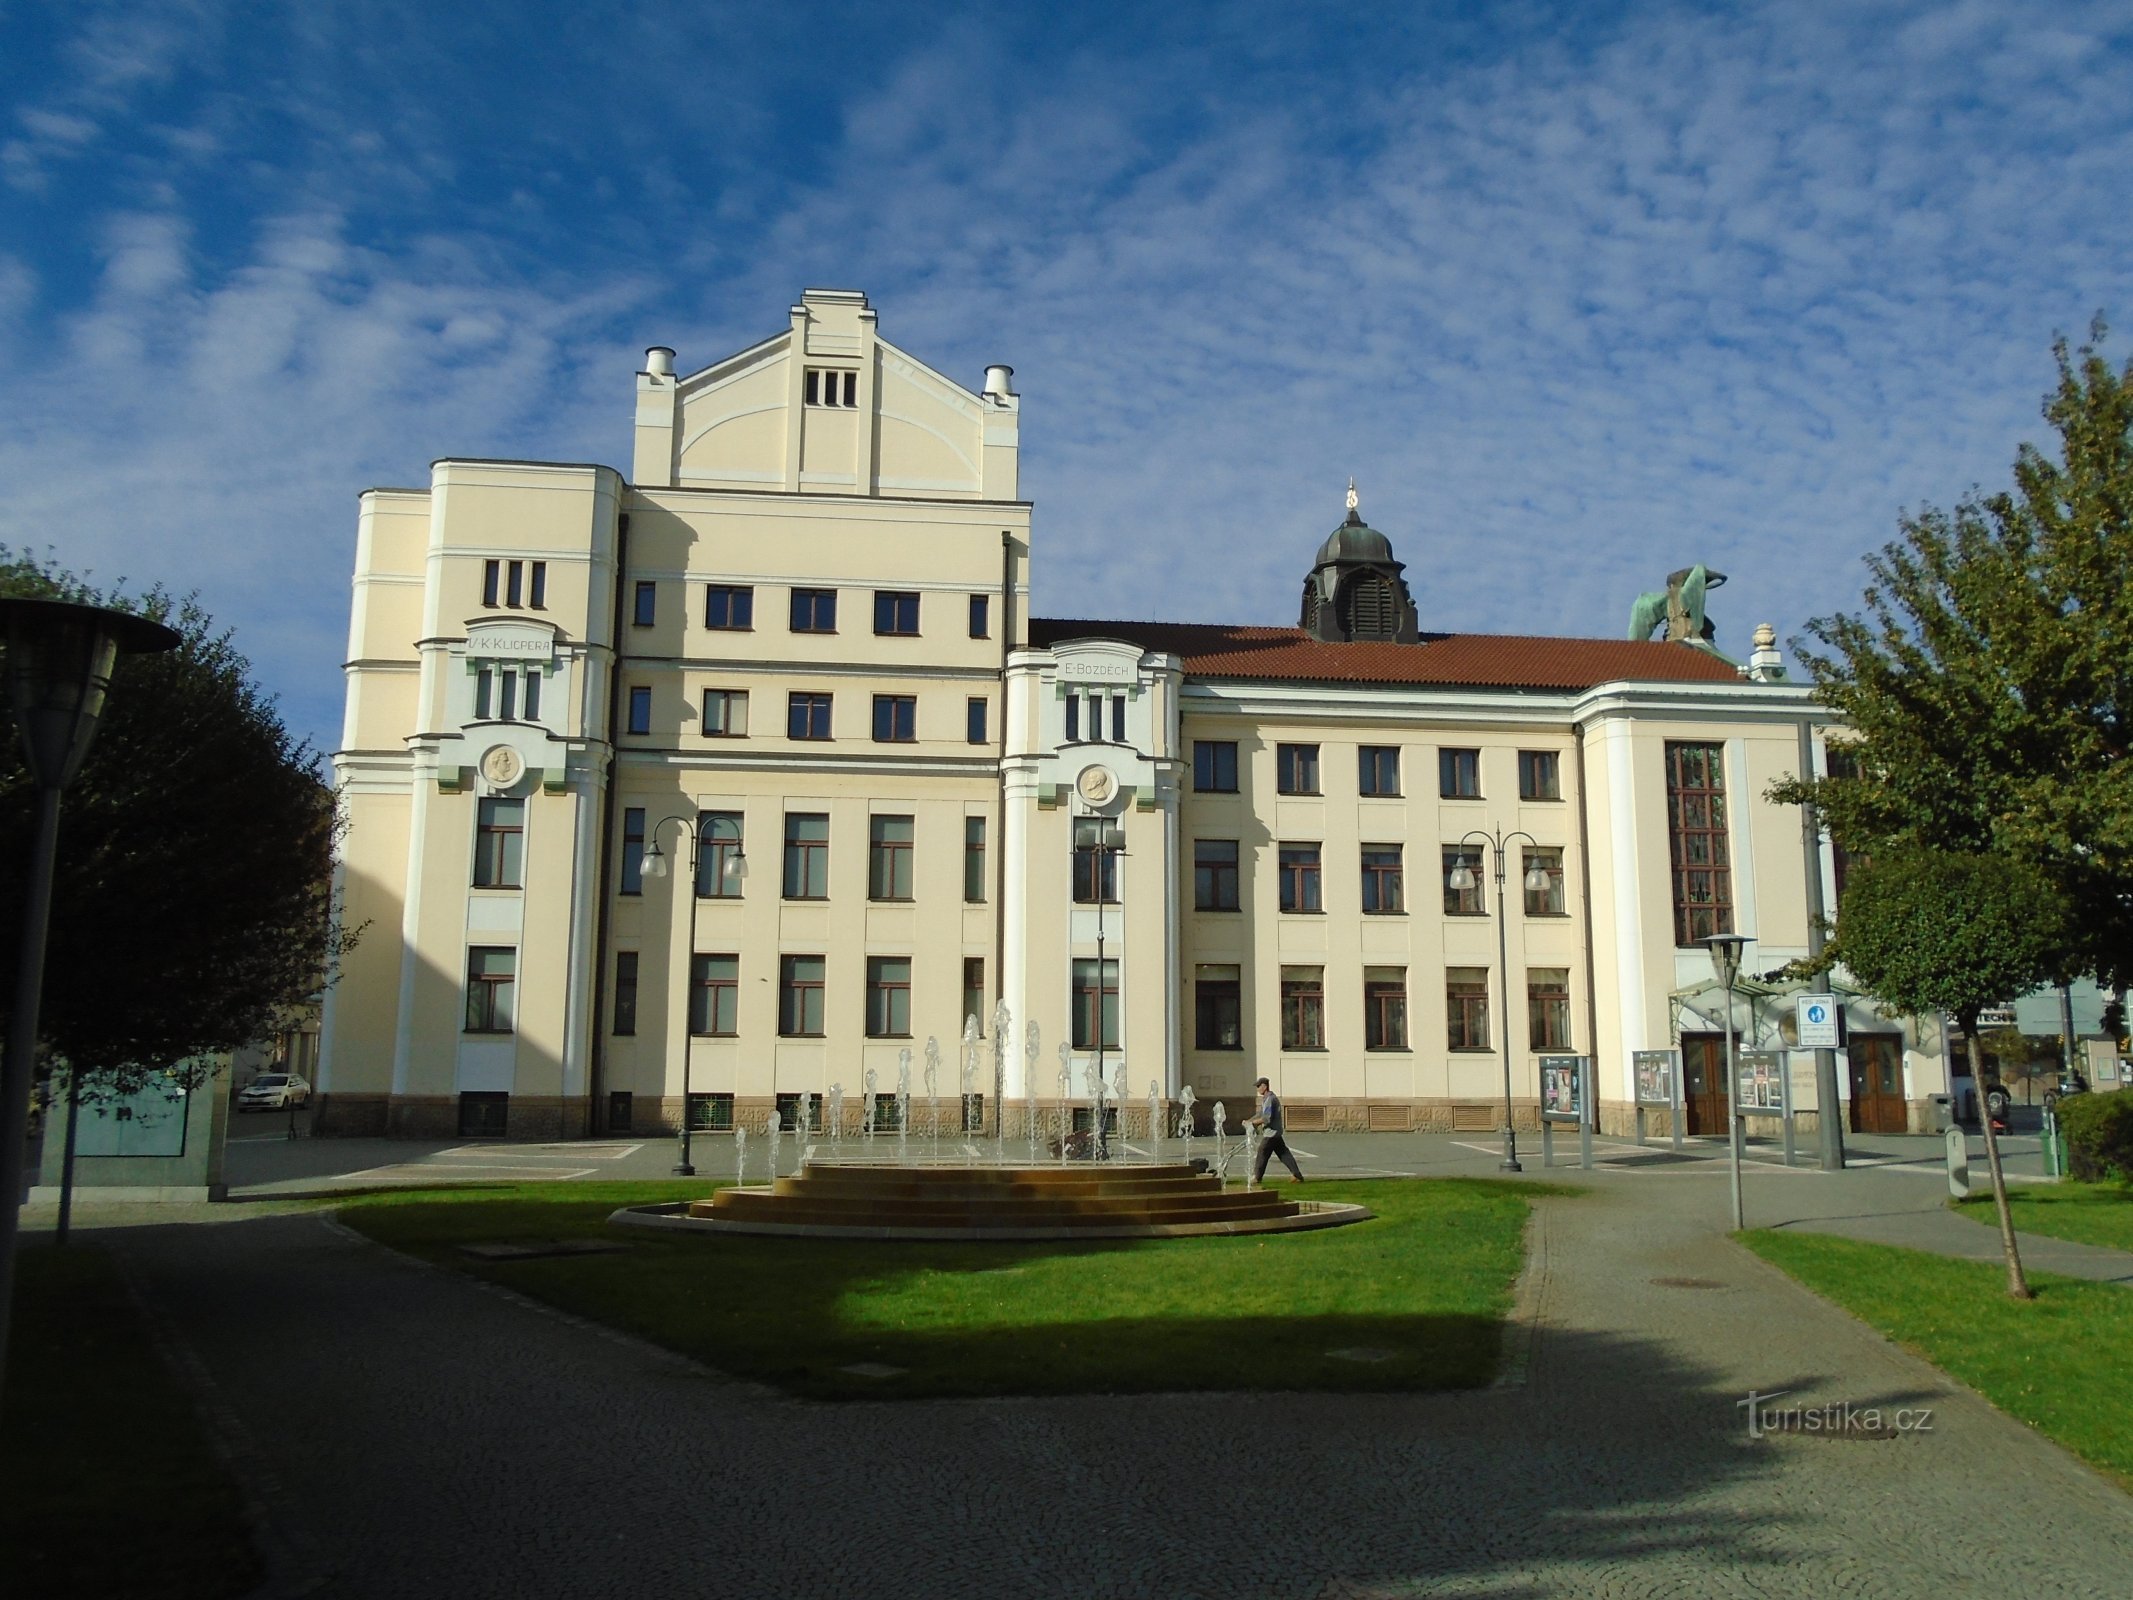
(2099, 1135)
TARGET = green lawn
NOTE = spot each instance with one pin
(108, 1486)
(1428, 1281)
(2062, 1362)
(2086, 1213)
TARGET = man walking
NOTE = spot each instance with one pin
(1269, 1122)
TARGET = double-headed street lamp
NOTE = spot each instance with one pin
(60, 658)
(733, 868)
(1726, 951)
(1462, 878)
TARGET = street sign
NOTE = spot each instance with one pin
(1817, 1014)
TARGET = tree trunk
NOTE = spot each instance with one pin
(2017, 1285)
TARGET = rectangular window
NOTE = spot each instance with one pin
(514, 584)
(1378, 770)
(788, 1108)
(710, 1113)
(1696, 833)
(1459, 774)
(895, 718)
(721, 860)
(1539, 775)
(1296, 768)
(814, 611)
(1095, 993)
(645, 604)
(1381, 880)
(1546, 901)
(800, 997)
(729, 606)
(1303, 1008)
(492, 576)
(1118, 719)
(538, 584)
(625, 993)
(640, 709)
(1214, 875)
(974, 719)
(974, 861)
(1218, 1008)
(725, 713)
(828, 386)
(1466, 1007)
(633, 850)
(1073, 718)
(888, 997)
(507, 698)
(499, 844)
(807, 855)
(974, 992)
(484, 693)
(887, 1113)
(1214, 766)
(895, 611)
(1548, 1008)
(492, 974)
(533, 694)
(1384, 1008)
(714, 995)
(619, 1114)
(981, 616)
(1299, 878)
(889, 858)
(1095, 868)
(1460, 862)
(807, 715)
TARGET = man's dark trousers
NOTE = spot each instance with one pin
(1275, 1145)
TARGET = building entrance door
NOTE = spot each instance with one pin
(1877, 1083)
(1704, 1091)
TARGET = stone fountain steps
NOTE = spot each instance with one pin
(943, 1203)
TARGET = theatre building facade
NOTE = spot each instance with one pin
(746, 774)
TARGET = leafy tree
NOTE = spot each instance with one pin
(195, 856)
(1989, 679)
(1927, 931)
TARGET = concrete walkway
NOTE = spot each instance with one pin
(412, 1433)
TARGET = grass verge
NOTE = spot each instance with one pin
(2085, 1213)
(1423, 1288)
(2062, 1362)
(109, 1487)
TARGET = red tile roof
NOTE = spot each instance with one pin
(1455, 660)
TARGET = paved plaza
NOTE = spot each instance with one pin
(411, 1432)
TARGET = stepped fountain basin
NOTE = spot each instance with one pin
(831, 1200)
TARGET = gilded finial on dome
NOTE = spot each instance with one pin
(1355, 502)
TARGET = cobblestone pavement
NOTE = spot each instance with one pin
(413, 1433)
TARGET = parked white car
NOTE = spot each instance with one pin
(274, 1091)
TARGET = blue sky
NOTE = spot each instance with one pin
(1578, 293)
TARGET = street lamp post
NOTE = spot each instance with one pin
(1462, 878)
(60, 658)
(735, 869)
(1726, 951)
(1106, 844)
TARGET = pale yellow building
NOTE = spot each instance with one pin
(794, 644)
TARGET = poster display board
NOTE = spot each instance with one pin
(1655, 1081)
(1765, 1090)
(1563, 1088)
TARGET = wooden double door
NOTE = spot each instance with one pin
(1877, 1083)
(1705, 1093)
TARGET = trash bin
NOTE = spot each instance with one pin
(1943, 1113)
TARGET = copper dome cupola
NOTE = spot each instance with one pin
(1356, 591)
